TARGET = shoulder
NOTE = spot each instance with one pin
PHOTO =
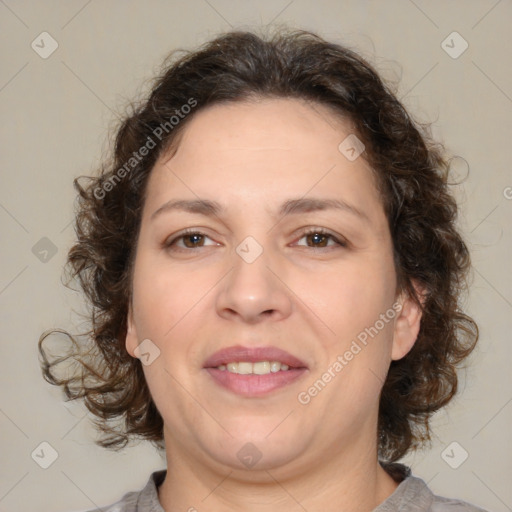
(450, 505)
(427, 501)
(414, 495)
(139, 501)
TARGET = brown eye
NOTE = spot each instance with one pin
(193, 239)
(320, 238)
(188, 240)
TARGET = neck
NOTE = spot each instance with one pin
(360, 484)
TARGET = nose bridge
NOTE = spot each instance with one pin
(251, 289)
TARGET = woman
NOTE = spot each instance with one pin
(275, 273)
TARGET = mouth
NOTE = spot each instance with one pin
(253, 372)
(258, 360)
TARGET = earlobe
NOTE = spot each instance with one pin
(407, 325)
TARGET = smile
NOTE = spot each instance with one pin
(257, 368)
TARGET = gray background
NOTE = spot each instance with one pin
(56, 114)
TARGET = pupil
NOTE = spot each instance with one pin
(317, 237)
(193, 238)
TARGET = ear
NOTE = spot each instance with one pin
(407, 324)
(131, 333)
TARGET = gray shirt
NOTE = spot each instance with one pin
(411, 495)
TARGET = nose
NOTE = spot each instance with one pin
(254, 291)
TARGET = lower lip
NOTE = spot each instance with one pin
(255, 385)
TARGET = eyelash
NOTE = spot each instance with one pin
(311, 231)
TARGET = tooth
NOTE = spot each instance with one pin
(258, 368)
(244, 368)
(232, 367)
(275, 366)
(261, 368)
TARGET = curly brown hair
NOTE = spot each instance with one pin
(412, 176)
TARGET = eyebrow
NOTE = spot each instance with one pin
(290, 207)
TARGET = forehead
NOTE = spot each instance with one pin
(260, 151)
(265, 123)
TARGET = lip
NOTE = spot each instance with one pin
(252, 355)
(253, 386)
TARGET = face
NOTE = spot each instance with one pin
(279, 248)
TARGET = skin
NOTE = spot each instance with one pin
(307, 295)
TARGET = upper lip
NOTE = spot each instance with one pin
(252, 355)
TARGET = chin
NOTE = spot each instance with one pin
(256, 451)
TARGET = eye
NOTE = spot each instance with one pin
(316, 238)
(190, 239)
(319, 238)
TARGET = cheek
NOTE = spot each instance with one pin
(349, 298)
(164, 295)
